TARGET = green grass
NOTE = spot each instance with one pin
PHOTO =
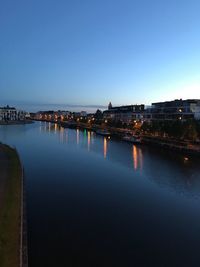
(10, 215)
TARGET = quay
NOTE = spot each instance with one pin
(184, 147)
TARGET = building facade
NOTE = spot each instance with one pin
(174, 110)
(125, 114)
(11, 114)
(52, 115)
(177, 109)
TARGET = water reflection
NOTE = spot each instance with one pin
(84, 136)
(40, 126)
(105, 147)
(77, 136)
(89, 140)
(61, 134)
(137, 158)
(55, 127)
(66, 135)
(131, 204)
(141, 159)
(163, 168)
(92, 138)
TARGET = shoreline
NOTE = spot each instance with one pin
(185, 147)
(16, 122)
(12, 209)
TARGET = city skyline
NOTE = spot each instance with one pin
(87, 54)
(33, 107)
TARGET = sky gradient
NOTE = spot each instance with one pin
(90, 52)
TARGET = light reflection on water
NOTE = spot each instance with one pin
(62, 140)
(77, 136)
(141, 159)
(66, 136)
(89, 140)
(116, 201)
(105, 147)
(55, 127)
(137, 158)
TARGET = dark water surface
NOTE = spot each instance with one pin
(98, 202)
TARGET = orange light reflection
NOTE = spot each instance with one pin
(135, 157)
(105, 147)
(89, 140)
(55, 127)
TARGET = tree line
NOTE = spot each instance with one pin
(183, 130)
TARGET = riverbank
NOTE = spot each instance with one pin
(16, 122)
(184, 147)
(10, 207)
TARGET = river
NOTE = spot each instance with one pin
(93, 201)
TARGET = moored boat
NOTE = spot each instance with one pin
(103, 132)
(132, 139)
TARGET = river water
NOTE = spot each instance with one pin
(93, 201)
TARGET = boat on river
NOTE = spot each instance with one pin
(132, 139)
(103, 132)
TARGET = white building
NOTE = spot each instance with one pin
(177, 109)
(11, 114)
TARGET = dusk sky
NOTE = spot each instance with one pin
(90, 52)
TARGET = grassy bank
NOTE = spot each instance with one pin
(10, 211)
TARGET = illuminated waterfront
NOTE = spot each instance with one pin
(94, 201)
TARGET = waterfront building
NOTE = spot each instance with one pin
(79, 114)
(45, 115)
(11, 114)
(177, 109)
(83, 114)
(125, 114)
(52, 115)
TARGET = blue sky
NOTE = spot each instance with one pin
(90, 52)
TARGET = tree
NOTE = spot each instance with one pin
(190, 130)
(98, 114)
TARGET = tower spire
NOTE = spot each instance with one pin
(110, 105)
